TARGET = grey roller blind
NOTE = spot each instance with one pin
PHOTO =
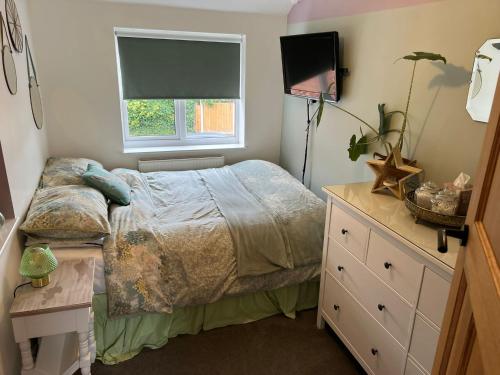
(179, 69)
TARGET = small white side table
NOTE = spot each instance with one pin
(61, 314)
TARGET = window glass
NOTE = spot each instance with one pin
(210, 116)
(151, 117)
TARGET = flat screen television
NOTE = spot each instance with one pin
(311, 65)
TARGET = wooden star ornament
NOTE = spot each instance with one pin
(392, 173)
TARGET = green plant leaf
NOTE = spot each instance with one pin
(357, 148)
(385, 120)
(425, 56)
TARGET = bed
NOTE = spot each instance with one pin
(203, 249)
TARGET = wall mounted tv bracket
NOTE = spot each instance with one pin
(345, 72)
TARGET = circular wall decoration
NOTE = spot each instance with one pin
(36, 103)
(34, 87)
(9, 68)
(14, 25)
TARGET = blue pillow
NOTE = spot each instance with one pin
(110, 185)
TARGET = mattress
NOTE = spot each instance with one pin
(276, 279)
(82, 252)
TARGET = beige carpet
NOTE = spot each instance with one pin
(276, 345)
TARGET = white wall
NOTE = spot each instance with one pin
(444, 139)
(25, 152)
(77, 62)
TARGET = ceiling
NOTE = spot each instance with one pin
(281, 7)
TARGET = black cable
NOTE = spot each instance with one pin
(305, 152)
(309, 120)
(17, 287)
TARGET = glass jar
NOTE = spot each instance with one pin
(445, 202)
(425, 193)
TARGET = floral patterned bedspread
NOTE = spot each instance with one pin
(172, 246)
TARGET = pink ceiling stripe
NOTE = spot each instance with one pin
(309, 10)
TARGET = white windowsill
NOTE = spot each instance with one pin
(144, 150)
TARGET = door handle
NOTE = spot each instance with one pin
(442, 234)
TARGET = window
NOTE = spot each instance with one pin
(180, 90)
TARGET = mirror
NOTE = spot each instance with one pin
(484, 80)
(36, 100)
(9, 70)
(14, 25)
(36, 103)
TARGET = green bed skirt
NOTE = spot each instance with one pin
(123, 338)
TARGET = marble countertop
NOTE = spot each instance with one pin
(392, 214)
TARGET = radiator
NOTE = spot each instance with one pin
(180, 164)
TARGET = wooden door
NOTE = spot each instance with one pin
(470, 337)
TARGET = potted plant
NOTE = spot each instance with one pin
(378, 135)
(391, 170)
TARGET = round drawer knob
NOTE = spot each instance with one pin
(387, 265)
(340, 268)
(374, 351)
(380, 307)
(336, 307)
(344, 231)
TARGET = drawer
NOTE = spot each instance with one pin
(413, 369)
(362, 331)
(398, 270)
(382, 303)
(424, 343)
(349, 232)
(433, 297)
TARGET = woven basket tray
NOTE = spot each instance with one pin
(424, 214)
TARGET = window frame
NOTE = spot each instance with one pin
(181, 140)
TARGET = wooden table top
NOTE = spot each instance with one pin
(71, 287)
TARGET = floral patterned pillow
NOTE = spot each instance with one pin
(65, 171)
(68, 212)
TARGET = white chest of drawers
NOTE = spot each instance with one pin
(384, 286)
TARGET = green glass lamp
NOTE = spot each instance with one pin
(37, 263)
